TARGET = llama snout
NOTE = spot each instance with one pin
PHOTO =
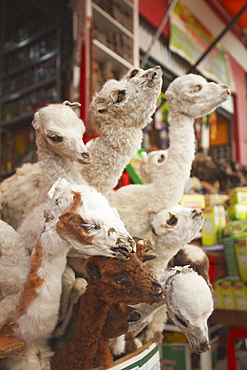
(125, 244)
(201, 348)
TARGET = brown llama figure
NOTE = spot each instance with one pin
(109, 282)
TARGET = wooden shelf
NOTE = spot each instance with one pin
(103, 54)
(42, 59)
(27, 41)
(106, 20)
(29, 89)
(229, 318)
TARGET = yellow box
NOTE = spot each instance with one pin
(240, 291)
(241, 254)
(217, 295)
(237, 212)
(196, 201)
(228, 296)
(240, 197)
(214, 223)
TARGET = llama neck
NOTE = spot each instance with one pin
(39, 301)
(164, 252)
(115, 147)
(169, 187)
(83, 345)
(54, 166)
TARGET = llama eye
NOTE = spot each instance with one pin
(121, 280)
(55, 138)
(101, 111)
(90, 227)
(181, 321)
(197, 88)
(173, 220)
(56, 202)
(133, 73)
(121, 95)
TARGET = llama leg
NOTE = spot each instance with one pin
(68, 281)
(103, 358)
(154, 330)
(7, 307)
(78, 289)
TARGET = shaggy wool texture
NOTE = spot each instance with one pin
(110, 281)
(189, 96)
(118, 113)
(59, 143)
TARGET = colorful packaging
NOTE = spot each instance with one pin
(196, 201)
(241, 253)
(235, 229)
(240, 291)
(228, 296)
(214, 223)
(217, 295)
(231, 258)
(237, 211)
(239, 197)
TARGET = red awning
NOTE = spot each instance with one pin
(233, 7)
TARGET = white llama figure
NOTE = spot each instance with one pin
(118, 113)
(189, 302)
(189, 96)
(77, 216)
(59, 134)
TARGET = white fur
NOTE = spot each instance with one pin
(28, 187)
(14, 262)
(189, 299)
(189, 96)
(36, 324)
(96, 213)
(172, 229)
(119, 125)
(151, 165)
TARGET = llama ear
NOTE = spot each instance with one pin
(93, 271)
(72, 105)
(144, 157)
(169, 96)
(57, 188)
(35, 121)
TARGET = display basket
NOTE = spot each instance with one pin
(216, 199)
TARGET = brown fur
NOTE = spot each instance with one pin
(110, 281)
(69, 223)
(200, 266)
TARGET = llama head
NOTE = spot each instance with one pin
(152, 164)
(176, 226)
(129, 102)
(191, 95)
(123, 281)
(189, 304)
(60, 130)
(86, 221)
